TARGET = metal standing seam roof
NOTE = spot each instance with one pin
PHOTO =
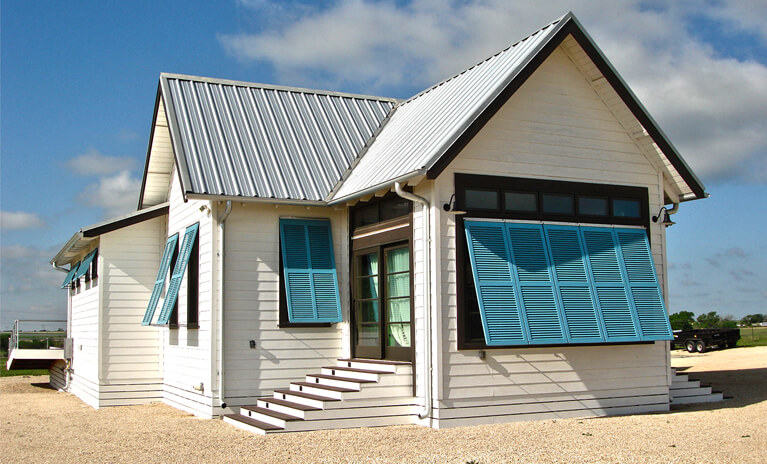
(422, 128)
(252, 140)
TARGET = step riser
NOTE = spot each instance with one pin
(306, 426)
(333, 382)
(350, 374)
(404, 369)
(352, 413)
(712, 398)
(302, 400)
(243, 426)
(319, 391)
(263, 418)
(281, 408)
(688, 384)
(691, 392)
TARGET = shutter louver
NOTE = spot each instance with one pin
(499, 308)
(159, 284)
(85, 264)
(70, 275)
(311, 281)
(643, 285)
(190, 235)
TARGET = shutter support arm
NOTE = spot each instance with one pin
(427, 287)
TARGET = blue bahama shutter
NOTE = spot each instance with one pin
(643, 284)
(85, 264)
(582, 318)
(190, 235)
(535, 283)
(609, 285)
(70, 275)
(311, 281)
(502, 319)
(159, 285)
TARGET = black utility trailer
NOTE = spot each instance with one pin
(701, 339)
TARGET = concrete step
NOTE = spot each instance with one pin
(395, 367)
(353, 373)
(337, 381)
(268, 416)
(697, 391)
(695, 399)
(316, 401)
(249, 424)
(287, 407)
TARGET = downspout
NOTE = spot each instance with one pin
(427, 287)
(221, 221)
(673, 209)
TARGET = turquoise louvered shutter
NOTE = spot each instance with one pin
(535, 283)
(85, 264)
(643, 284)
(582, 318)
(159, 285)
(70, 275)
(613, 299)
(190, 235)
(311, 281)
(498, 297)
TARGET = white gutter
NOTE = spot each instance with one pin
(427, 289)
(221, 221)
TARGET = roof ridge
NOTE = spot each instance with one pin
(464, 71)
(331, 93)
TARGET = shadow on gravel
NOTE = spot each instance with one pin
(45, 386)
(743, 387)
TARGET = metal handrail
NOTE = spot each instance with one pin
(17, 335)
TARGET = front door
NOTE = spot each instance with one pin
(382, 302)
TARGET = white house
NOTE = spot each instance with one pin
(489, 250)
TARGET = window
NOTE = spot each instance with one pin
(626, 208)
(387, 208)
(181, 262)
(309, 271)
(523, 199)
(168, 255)
(555, 284)
(70, 276)
(481, 199)
(85, 266)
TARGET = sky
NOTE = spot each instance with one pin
(78, 82)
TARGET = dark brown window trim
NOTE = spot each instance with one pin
(193, 285)
(284, 319)
(373, 202)
(539, 186)
(173, 319)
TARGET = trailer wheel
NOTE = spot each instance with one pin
(690, 345)
(700, 347)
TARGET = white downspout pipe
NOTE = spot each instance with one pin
(221, 221)
(427, 289)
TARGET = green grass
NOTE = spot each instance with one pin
(753, 336)
(6, 373)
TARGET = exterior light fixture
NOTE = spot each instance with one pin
(664, 217)
(449, 207)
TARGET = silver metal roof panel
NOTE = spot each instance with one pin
(422, 128)
(238, 139)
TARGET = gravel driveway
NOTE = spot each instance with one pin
(38, 424)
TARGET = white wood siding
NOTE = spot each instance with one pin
(188, 353)
(251, 305)
(85, 335)
(555, 127)
(158, 171)
(130, 352)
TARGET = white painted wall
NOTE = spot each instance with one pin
(251, 305)
(85, 334)
(554, 127)
(188, 353)
(130, 352)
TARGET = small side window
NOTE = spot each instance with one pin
(626, 208)
(556, 203)
(592, 206)
(482, 199)
(523, 202)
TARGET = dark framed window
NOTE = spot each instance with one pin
(386, 208)
(193, 287)
(484, 199)
(534, 200)
(173, 319)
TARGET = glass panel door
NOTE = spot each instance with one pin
(367, 302)
(397, 302)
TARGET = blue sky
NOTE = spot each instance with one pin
(78, 84)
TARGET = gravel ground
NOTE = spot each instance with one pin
(39, 424)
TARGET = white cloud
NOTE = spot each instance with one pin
(709, 104)
(94, 163)
(117, 194)
(127, 135)
(29, 286)
(15, 220)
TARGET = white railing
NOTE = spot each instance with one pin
(35, 339)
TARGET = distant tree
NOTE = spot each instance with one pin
(708, 320)
(753, 319)
(728, 322)
(682, 320)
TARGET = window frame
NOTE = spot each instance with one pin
(537, 186)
